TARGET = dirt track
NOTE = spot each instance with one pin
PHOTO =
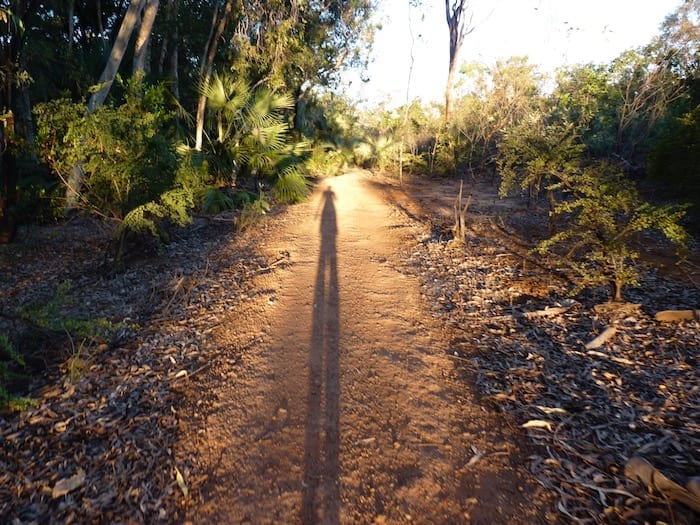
(345, 408)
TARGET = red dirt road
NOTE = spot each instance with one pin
(346, 409)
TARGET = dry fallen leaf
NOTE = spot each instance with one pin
(66, 485)
(537, 423)
(473, 460)
(552, 410)
(181, 482)
(599, 341)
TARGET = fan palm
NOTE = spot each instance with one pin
(249, 132)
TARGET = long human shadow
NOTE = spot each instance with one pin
(321, 493)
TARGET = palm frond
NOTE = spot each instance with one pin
(291, 186)
(270, 138)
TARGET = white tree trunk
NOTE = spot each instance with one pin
(206, 71)
(117, 54)
(174, 64)
(144, 36)
(71, 24)
(459, 27)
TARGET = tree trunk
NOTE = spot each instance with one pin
(616, 289)
(71, 24)
(100, 25)
(174, 65)
(553, 216)
(24, 125)
(144, 37)
(8, 181)
(116, 56)
(459, 27)
(449, 89)
(10, 56)
(207, 68)
(171, 49)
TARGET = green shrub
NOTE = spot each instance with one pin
(125, 152)
(39, 200)
(216, 200)
(596, 213)
(55, 316)
(9, 358)
(325, 161)
(253, 211)
(172, 206)
(605, 215)
(674, 158)
(291, 186)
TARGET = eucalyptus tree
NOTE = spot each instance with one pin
(109, 73)
(491, 101)
(459, 23)
(143, 39)
(645, 88)
(679, 41)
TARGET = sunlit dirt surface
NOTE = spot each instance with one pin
(340, 405)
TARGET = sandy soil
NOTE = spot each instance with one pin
(345, 408)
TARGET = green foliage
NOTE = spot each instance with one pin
(38, 200)
(532, 155)
(606, 214)
(124, 152)
(129, 163)
(10, 358)
(385, 152)
(251, 138)
(193, 170)
(291, 187)
(54, 120)
(601, 209)
(8, 352)
(585, 96)
(56, 317)
(326, 160)
(78, 363)
(362, 154)
(249, 133)
(253, 211)
(173, 206)
(292, 44)
(616, 107)
(495, 99)
(674, 158)
(215, 200)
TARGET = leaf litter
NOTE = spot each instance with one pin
(614, 383)
(99, 447)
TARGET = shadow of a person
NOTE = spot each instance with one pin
(320, 493)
